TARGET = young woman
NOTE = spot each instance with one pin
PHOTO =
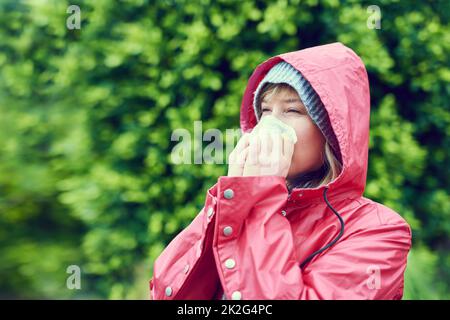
(290, 220)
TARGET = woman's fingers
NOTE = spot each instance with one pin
(277, 147)
(240, 146)
(238, 156)
(261, 153)
(266, 143)
(264, 153)
(242, 143)
(288, 147)
(237, 167)
(254, 149)
(242, 157)
(268, 154)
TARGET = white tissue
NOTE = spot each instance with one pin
(271, 124)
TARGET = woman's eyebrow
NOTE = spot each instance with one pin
(290, 100)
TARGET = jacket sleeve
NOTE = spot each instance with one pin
(367, 264)
(186, 268)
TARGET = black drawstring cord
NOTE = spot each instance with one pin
(341, 232)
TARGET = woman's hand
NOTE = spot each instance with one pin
(261, 155)
(237, 157)
(269, 155)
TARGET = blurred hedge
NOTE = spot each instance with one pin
(86, 117)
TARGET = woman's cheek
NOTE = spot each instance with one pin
(308, 150)
(299, 159)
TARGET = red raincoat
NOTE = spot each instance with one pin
(251, 236)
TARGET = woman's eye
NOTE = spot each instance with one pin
(294, 110)
(264, 110)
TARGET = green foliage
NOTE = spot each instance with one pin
(87, 116)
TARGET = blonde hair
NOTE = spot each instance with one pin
(331, 167)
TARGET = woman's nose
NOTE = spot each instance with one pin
(278, 113)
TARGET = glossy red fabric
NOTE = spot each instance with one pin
(266, 245)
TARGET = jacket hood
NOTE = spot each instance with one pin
(340, 79)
